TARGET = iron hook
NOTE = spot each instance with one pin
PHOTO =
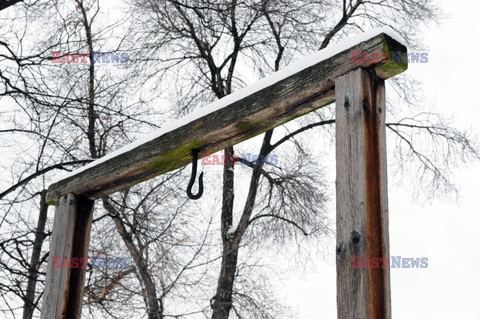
(192, 178)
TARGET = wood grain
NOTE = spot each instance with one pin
(301, 93)
(362, 206)
(70, 238)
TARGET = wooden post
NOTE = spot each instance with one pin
(362, 215)
(70, 238)
(362, 207)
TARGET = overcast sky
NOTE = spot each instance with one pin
(445, 232)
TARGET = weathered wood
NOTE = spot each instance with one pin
(303, 92)
(362, 207)
(70, 238)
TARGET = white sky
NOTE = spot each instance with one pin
(446, 233)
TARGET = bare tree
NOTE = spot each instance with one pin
(66, 115)
(73, 113)
(207, 46)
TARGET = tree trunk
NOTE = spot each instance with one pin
(223, 299)
(29, 305)
(153, 303)
(222, 303)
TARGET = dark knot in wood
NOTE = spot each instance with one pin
(346, 104)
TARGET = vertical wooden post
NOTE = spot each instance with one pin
(362, 207)
(70, 238)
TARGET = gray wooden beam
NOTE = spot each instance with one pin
(70, 238)
(362, 206)
(298, 94)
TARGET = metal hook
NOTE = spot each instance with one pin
(192, 178)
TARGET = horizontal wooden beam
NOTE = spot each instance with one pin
(294, 95)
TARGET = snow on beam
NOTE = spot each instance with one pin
(276, 99)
